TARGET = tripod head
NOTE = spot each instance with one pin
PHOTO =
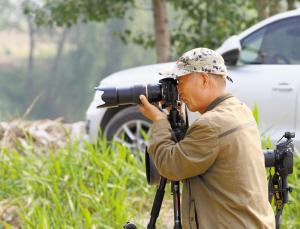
(179, 127)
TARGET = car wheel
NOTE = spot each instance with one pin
(129, 128)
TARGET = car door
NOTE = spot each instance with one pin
(268, 74)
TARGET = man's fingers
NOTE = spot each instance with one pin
(144, 100)
(149, 111)
(141, 108)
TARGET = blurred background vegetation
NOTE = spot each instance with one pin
(53, 53)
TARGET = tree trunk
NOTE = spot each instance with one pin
(274, 7)
(50, 94)
(162, 35)
(31, 45)
(59, 51)
(262, 9)
(30, 67)
(291, 4)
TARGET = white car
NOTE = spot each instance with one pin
(264, 63)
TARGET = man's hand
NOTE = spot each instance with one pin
(150, 111)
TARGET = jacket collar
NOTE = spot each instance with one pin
(217, 101)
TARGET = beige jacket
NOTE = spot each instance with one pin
(221, 164)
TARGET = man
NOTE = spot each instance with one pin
(220, 160)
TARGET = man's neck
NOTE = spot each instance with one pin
(217, 101)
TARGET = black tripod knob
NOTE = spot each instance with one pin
(129, 225)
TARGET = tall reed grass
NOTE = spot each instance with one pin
(88, 186)
(79, 186)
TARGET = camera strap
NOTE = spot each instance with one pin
(277, 191)
(217, 101)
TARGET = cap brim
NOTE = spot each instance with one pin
(175, 72)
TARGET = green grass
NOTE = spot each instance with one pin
(291, 212)
(88, 186)
(74, 187)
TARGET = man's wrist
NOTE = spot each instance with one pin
(161, 117)
(160, 124)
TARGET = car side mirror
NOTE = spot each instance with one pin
(230, 50)
(231, 57)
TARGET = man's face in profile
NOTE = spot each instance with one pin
(188, 89)
(196, 90)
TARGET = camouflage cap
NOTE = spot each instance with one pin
(199, 60)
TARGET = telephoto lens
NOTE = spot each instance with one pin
(112, 96)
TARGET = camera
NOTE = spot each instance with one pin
(165, 91)
(282, 160)
(282, 157)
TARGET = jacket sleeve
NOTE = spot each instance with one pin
(190, 157)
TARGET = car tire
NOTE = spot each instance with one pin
(127, 127)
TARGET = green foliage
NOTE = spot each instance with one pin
(200, 23)
(291, 212)
(68, 13)
(89, 186)
(79, 186)
(193, 24)
(266, 142)
(207, 23)
(255, 113)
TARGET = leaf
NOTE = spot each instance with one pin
(255, 113)
(87, 216)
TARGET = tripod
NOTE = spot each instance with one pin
(282, 161)
(179, 127)
(158, 201)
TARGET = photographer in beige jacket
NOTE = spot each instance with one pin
(220, 160)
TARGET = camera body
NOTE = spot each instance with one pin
(282, 157)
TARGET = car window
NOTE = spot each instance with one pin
(277, 43)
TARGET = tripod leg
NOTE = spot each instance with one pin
(159, 196)
(278, 218)
(176, 202)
